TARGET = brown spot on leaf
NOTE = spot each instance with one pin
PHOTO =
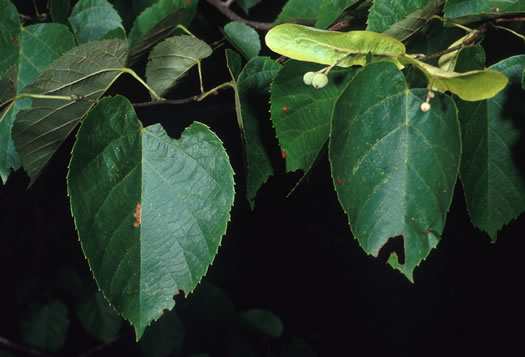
(137, 215)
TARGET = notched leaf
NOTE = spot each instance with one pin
(394, 176)
(178, 190)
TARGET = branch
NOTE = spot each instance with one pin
(224, 8)
(30, 351)
(509, 19)
(193, 98)
(467, 42)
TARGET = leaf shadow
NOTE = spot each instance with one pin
(514, 111)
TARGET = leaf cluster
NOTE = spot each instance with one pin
(403, 102)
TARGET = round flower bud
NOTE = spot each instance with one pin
(425, 107)
(320, 80)
(307, 78)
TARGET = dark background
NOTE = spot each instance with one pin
(294, 256)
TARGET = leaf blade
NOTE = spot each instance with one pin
(301, 115)
(299, 11)
(252, 90)
(244, 38)
(92, 19)
(472, 11)
(401, 19)
(130, 185)
(394, 176)
(330, 10)
(156, 23)
(492, 181)
(90, 70)
(38, 45)
(171, 59)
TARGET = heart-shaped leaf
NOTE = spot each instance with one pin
(492, 178)
(172, 58)
(150, 211)
(394, 166)
(85, 72)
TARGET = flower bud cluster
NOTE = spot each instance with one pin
(317, 79)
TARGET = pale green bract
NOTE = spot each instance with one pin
(309, 44)
(347, 49)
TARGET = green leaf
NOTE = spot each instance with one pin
(10, 33)
(394, 166)
(87, 71)
(301, 115)
(328, 47)
(156, 23)
(97, 317)
(246, 5)
(150, 211)
(252, 97)
(472, 11)
(401, 19)
(60, 11)
(244, 38)
(470, 58)
(490, 168)
(118, 33)
(301, 11)
(92, 19)
(164, 338)
(263, 320)
(472, 85)
(38, 45)
(7, 86)
(234, 63)
(331, 10)
(45, 325)
(171, 59)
